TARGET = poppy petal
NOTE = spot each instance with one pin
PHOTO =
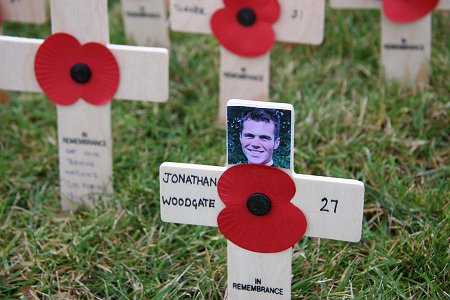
(276, 231)
(243, 3)
(270, 12)
(266, 10)
(239, 182)
(404, 11)
(105, 74)
(54, 60)
(52, 64)
(248, 41)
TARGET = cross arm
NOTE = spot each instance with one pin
(348, 4)
(144, 71)
(16, 64)
(193, 15)
(188, 193)
(28, 11)
(301, 22)
(443, 5)
(333, 207)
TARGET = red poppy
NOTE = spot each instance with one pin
(244, 27)
(404, 11)
(259, 215)
(68, 71)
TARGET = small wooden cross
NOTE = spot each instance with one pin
(333, 207)
(84, 130)
(405, 47)
(23, 11)
(300, 21)
(145, 22)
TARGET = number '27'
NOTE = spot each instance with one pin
(324, 207)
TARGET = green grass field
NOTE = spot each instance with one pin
(349, 123)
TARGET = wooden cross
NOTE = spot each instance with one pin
(300, 21)
(145, 22)
(405, 47)
(23, 11)
(333, 207)
(84, 130)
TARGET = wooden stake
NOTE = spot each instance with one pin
(271, 270)
(240, 77)
(406, 50)
(145, 22)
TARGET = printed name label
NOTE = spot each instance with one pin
(243, 75)
(404, 45)
(142, 13)
(257, 287)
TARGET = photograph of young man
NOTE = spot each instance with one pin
(259, 136)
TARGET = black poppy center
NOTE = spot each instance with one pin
(81, 73)
(246, 16)
(259, 204)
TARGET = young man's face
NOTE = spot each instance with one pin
(258, 141)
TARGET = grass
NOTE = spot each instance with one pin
(350, 123)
